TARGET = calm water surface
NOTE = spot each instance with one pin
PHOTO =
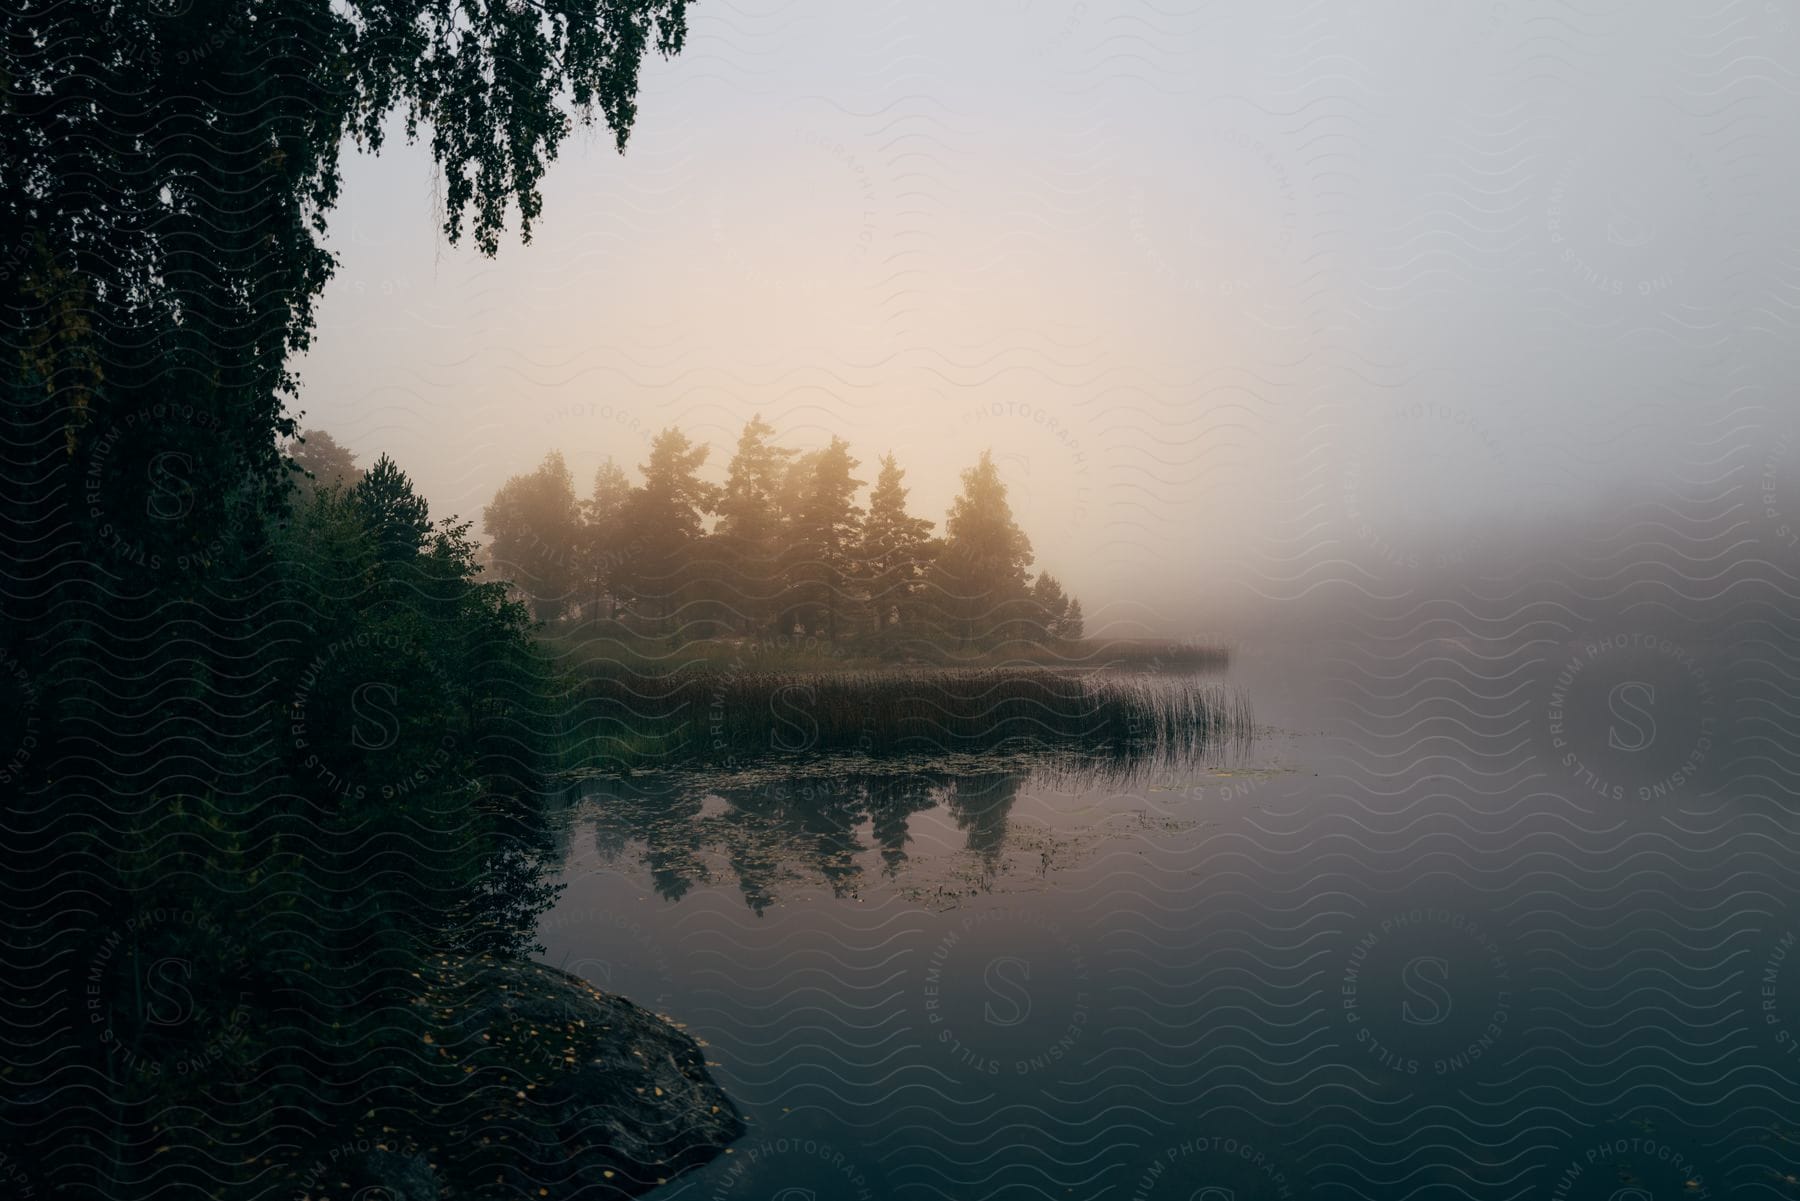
(1461, 920)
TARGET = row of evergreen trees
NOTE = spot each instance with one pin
(782, 546)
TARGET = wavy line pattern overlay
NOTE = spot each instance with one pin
(1437, 360)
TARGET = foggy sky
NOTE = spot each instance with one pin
(1246, 299)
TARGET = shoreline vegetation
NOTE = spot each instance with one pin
(602, 648)
(786, 545)
(696, 623)
(725, 704)
(735, 719)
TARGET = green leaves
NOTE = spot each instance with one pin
(490, 78)
(170, 169)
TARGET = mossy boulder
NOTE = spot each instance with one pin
(612, 1101)
(531, 1082)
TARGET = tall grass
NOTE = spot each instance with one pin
(1144, 654)
(603, 648)
(735, 717)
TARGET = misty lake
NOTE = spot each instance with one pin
(1456, 921)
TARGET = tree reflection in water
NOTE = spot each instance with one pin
(774, 830)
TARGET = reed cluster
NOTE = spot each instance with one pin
(714, 717)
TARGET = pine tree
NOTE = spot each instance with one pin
(664, 518)
(747, 503)
(535, 526)
(895, 549)
(825, 536)
(1049, 605)
(1072, 628)
(604, 545)
(749, 522)
(1054, 616)
(790, 502)
(399, 517)
(980, 576)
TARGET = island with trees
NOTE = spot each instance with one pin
(787, 546)
(693, 624)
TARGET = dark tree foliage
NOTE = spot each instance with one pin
(321, 463)
(534, 527)
(790, 550)
(896, 551)
(666, 518)
(277, 755)
(822, 538)
(604, 546)
(979, 581)
(747, 541)
(1053, 615)
(747, 502)
(397, 517)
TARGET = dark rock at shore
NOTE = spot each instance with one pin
(531, 1082)
(611, 1100)
(390, 1176)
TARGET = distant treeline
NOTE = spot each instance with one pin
(784, 546)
